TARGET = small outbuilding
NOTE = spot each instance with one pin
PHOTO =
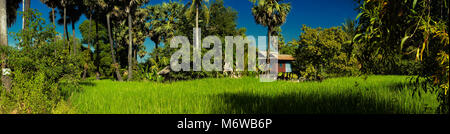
(284, 61)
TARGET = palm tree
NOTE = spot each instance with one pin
(75, 11)
(130, 45)
(162, 22)
(108, 6)
(155, 25)
(8, 15)
(52, 4)
(89, 5)
(349, 27)
(62, 6)
(140, 33)
(195, 6)
(4, 37)
(130, 8)
(75, 14)
(92, 9)
(271, 14)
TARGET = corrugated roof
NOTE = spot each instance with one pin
(286, 57)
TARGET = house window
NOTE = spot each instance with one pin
(288, 68)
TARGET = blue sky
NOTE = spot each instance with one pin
(313, 13)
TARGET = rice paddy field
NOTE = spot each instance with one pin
(349, 95)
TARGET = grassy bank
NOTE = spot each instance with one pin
(376, 94)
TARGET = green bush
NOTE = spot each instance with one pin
(324, 53)
(41, 69)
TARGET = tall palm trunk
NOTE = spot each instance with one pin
(269, 33)
(74, 47)
(90, 33)
(6, 80)
(86, 67)
(53, 17)
(54, 21)
(97, 51)
(197, 46)
(135, 55)
(26, 6)
(156, 50)
(196, 26)
(119, 77)
(3, 24)
(130, 46)
(65, 26)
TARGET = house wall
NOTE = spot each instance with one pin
(285, 66)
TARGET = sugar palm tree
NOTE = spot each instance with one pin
(194, 8)
(162, 22)
(92, 9)
(107, 7)
(52, 4)
(88, 10)
(271, 14)
(156, 17)
(8, 15)
(62, 6)
(130, 8)
(75, 11)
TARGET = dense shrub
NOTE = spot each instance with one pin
(39, 64)
(323, 53)
(389, 31)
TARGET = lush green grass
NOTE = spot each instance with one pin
(376, 94)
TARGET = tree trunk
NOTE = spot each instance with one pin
(65, 26)
(6, 80)
(97, 52)
(74, 44)
(84, 72)
(67, 35)
(86, 67)
(26, 6)
(54, 21)
(90, 33)
(156, 52)
(135, 56)
(130, 46)
(196, 26)
(269, 33)
(119, 77)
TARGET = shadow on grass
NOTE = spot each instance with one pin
(297, 103)
(87, 83)
(68, 89)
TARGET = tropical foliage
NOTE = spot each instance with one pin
(407, 37)
(390, 32)
(324, 53)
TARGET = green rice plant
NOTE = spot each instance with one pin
(348, 95)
